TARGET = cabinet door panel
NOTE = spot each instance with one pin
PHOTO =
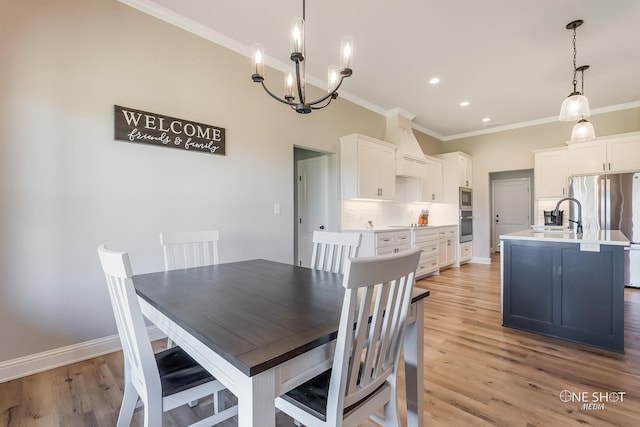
(623, 154)
(368, 156)
(587, 157)
(432, 182)
(551, 173)
(530, 292)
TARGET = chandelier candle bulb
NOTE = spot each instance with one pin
(257, 66)
(346, 49)
(288, 86)
(332, 78)
(297, 39)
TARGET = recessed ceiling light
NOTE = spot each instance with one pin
(434, 81)
(464, 104)
(486, 119)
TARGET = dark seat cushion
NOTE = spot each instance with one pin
(178, 371)
(312, 395)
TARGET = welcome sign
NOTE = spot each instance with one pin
(150, 128)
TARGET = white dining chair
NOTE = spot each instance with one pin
(185, 249)
(331, 249)
(363, 376)
(162, 381)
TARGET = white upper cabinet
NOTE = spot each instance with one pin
(550, 173)
(587, 157)
(456, 172)
(466, 166)
(367, 168)
(623, 154)
(613, 154)
(432, 181)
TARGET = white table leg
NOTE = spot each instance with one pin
(256, 401)
(414, 367)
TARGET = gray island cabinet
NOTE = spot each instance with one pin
(565, 285)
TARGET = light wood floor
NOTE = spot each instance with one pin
(478, 373)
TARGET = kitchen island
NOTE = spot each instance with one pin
(566, 285)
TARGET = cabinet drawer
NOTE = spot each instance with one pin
(425, 236)
(427, 265)
(394, 238)
(385, 250)
(429, 247)
(445, 233)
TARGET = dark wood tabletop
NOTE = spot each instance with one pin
(256, 314)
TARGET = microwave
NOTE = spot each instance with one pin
(465, 198)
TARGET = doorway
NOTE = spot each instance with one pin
(315, 198)
(511, 206)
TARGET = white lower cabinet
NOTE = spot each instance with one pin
(466, 251)
(384, 242)
(439, 245)
(447, 249)
(426, 239)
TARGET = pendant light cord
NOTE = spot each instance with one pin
(575, 69)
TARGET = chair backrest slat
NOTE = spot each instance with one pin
(189, 249)
(331, 249)
(377, 298)
(136, 346)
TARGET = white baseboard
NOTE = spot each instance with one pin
(478, 260)
(39, 362)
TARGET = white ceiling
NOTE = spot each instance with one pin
(511, 59)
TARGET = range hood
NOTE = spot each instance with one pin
(410, 160)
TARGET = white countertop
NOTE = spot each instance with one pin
(603, 237)
(397, 228)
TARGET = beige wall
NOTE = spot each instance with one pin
(513, 150)
(428, 144)
(66, 186)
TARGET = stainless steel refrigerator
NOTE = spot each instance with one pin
(612, 202)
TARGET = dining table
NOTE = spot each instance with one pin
(263, 327)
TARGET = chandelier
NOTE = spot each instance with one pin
(576, 105)
(294, 87)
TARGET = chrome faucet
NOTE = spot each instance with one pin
(556, 211)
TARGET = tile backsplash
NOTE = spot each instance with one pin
(355, 214)
(549, 205)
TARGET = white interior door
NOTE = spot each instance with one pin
(511, 207)
(313, 206)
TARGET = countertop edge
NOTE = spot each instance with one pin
(611, 237)
(393, 228)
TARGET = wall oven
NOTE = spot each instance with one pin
(466, 225)
(465, 198)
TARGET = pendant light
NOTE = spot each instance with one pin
(583, 129)
(576, 105)
(294, 82)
